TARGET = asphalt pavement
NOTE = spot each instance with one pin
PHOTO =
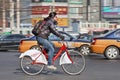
(97, 68)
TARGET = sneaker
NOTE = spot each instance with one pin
(52, 67)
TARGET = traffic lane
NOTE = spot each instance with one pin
(100, 68)
(97, 68)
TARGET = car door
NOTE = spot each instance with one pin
(7, 42)
(17, 39)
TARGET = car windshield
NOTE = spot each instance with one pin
(106, 34)
(74, 34)
(85, 37)
(54, 37)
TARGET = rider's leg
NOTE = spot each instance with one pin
(50, 49)
(47, 44)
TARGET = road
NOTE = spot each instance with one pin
(97, 68)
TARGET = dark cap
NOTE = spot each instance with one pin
(52, 14)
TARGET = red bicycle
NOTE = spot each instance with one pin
(34, 61)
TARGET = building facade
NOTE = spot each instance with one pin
(70, 13)
(111, 11)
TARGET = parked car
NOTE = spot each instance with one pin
(31, 43)
(107, 44)
(10, 41)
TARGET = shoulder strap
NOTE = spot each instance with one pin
(42, 23)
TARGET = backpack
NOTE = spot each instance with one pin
(38, 26)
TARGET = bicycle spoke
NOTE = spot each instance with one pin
(78, 64)
(29, 68)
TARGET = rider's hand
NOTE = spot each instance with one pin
(62, 37)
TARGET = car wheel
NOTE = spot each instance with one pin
(85, 50)
(35, 47)
(111, 52)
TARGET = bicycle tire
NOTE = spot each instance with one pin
(29, 68)
(78, 64)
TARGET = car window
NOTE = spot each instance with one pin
(18, 36)
(2, 36)
(8, 37)
(117, 34)
(112, 34)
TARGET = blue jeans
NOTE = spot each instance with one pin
(49, 46)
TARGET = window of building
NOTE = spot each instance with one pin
(41, 0)
(95, 2)
(60, 0)
(76, 10)
(47, 0)
(116, 3)
(75, 1)
(107, 2)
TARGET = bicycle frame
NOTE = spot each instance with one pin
(63, 48)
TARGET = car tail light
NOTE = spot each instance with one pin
(94, 40)
(19, 48)
(21, 41)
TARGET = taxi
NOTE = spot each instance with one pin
(107, 44)
(80, 44)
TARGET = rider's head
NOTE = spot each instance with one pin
(52, 14)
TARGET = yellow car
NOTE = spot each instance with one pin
(107, 44)
(81, 44)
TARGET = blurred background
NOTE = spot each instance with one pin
(83, 16)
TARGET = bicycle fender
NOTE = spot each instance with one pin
(64, 59)
(34, 54)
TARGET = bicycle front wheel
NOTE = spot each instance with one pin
(29, 68)
(78, 64)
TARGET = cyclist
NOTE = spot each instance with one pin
(42, 37)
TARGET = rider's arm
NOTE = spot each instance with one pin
(54, 30)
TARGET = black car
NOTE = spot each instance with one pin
(11, 41)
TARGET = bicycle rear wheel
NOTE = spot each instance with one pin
(78, 64)
(29, 68)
